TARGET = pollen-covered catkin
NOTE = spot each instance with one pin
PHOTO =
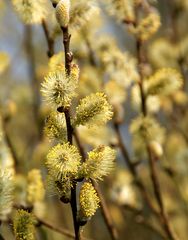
(23, 224)
(63, 161)
(89, 201)
(29, 11)
(59, 89)
(93, 110)
(63, 12)
(164, 82)
(35, 189)
(100, 163)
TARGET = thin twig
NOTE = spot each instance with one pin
(49, 39)
(140, 219)
(132, 169)
(68, 60)
(121, 145)
(9, 143)
(152, 165)
(66, 111)
(105, 212)
(62, 231)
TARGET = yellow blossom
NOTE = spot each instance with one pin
(59, 89)
(63, 161)
(31, 11)
(147, 27)
(81, 12)
(100, 163)
(93, 110)
(145, 130)
(55, 126)
(63, 12)
(23, 223)
(164, 82)
(89, 201)
(35, 189)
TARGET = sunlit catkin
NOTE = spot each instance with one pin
(147, 27)
(59, 89)
(55, 126)
(30, 11)
(145, 130)
(35, 189)
(63, 161)
(93, 110)
(63, 12)
(164, 82)
(23, 224)
(81, 12)
(100, 163)
(89, 202)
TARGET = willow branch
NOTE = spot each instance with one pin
(152, 165)
(68, 60)
(140, 219)
(49, 39)
(66, 111)
(62, 231)
(9, 143)
(121, 145)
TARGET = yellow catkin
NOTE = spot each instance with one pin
(35, 189)
(147, 27)
(164, 82)
(58, 88)
(100, 163)
(62, 12)
(93, 110)
(89, 201)
(63, 160)
(29, 11)
(23, 223)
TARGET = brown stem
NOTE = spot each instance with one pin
(9, 143)
(49, 40)
(132, 169)
(63, 231)
(121, 145)
(140, 219)
(157, 192)
(152, 165)
(106, 213)
(68, 60)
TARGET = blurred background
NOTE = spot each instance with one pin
(23, 65)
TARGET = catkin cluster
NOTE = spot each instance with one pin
(65, 165)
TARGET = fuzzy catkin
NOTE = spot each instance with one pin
(89, 201)
(63, 12)
(93, 110)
